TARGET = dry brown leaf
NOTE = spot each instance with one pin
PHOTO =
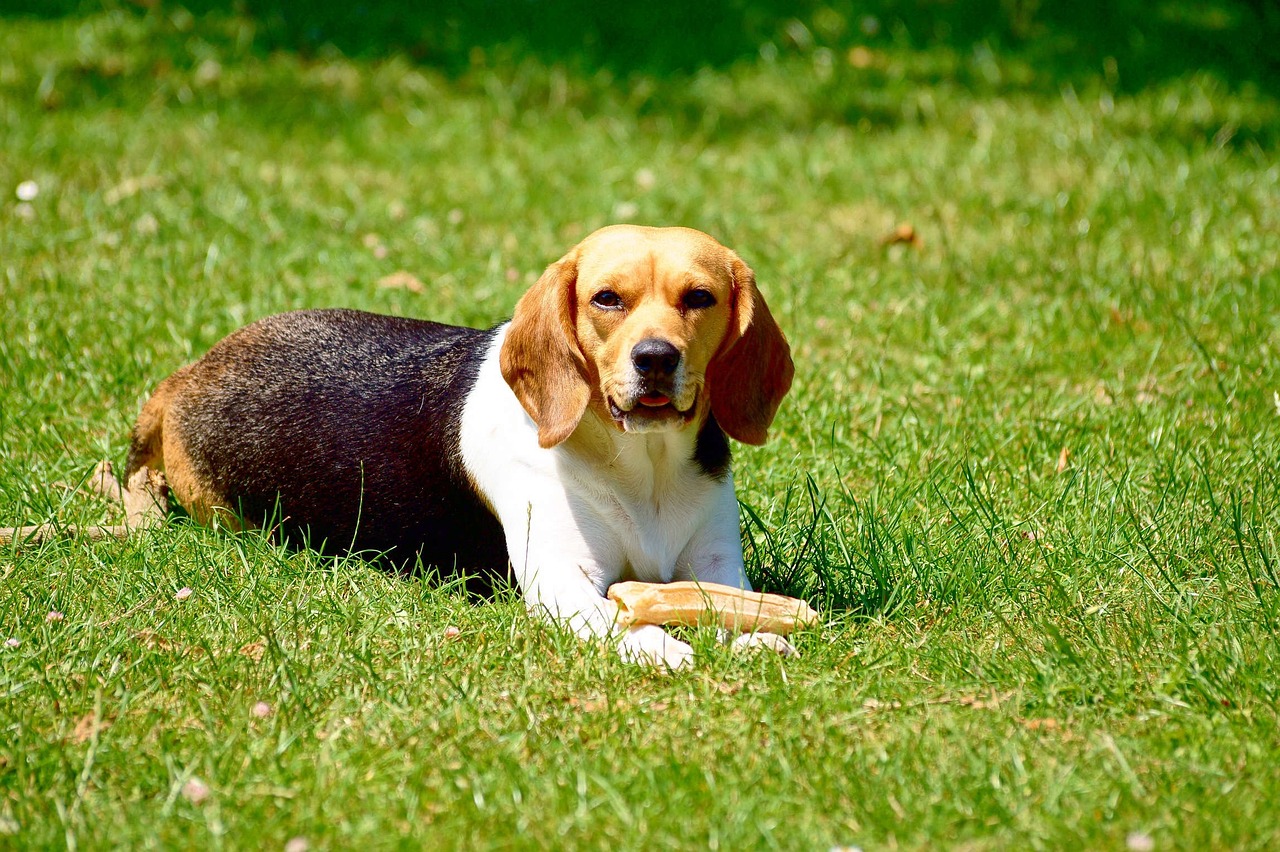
(860, 57)
(1064, 459)
(904, 233)
(253, 650)
(989, 702)
(156, 642)
(88, 726)
(589, 705)
(153, 640)
(877, 704)
(130, 187)
(401, 280)
(1040, 724)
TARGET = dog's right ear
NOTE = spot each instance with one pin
(753, 371)
(541, 359)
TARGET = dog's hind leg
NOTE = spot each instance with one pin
(146, 442)
(157, 442)
(145, 493)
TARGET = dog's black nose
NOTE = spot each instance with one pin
(654, 358)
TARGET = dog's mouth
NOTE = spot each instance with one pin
(650, 408)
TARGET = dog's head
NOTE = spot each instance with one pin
(650, 328)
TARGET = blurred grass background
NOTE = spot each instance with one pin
(1064, 42)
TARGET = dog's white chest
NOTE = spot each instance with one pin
(651, 523)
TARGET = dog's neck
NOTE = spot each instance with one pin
(646, 464)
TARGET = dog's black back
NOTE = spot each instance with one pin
(341, 428)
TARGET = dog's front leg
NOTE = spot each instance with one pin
(714, 555)
(563, 578)
(649, 644)
(570, 597)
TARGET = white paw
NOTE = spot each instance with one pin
(771, 641)
(650, 645)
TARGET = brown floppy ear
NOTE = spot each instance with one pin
(752, 372)
(540, 358)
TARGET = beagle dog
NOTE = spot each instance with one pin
(582, 443)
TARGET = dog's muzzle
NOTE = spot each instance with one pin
(651, 397)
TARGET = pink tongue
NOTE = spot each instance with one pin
(654, 401)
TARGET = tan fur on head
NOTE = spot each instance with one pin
(571, 343)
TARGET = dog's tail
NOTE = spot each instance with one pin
(146, 445)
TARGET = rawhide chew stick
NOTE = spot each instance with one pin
(692, 603)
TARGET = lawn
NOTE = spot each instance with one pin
(1029, 470)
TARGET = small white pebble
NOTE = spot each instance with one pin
(195, 791)
(452, 632)
(208, 72)
(146, 225)
(1139, 841)
(54, 615)
(183, 593)
(27, 190)
(297, 844)
(261, 710)
(12, 642)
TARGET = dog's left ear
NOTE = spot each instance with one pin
(752, 372)
(540, 357)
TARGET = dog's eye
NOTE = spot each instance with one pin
(607, 299)
(697, 299)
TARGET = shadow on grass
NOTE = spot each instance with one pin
(1132, 44)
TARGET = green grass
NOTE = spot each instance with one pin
(1013, 656)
